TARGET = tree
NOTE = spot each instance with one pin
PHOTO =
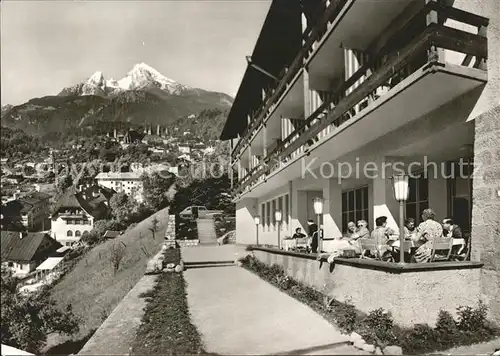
(158, 189)
(154, 226)
(122, 208)
(116, 255)
(63, 183)
(214, 193)
(28, 319)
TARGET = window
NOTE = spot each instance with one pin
(354, 206)
(263, 215)
(274, 215)
(69, 233)
(78, 233)
(286, 214)
(268, 215)
(418, 199)
(460, 193)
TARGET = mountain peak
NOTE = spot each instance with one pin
(97, 78)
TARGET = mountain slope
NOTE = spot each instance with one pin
(143, 96)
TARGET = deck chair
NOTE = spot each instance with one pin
(371, 245)
(441, 244)
(302, 244)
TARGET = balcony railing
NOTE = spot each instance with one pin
(403, 54)
(310, 36)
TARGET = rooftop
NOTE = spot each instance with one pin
(15, 248)
(118, 176)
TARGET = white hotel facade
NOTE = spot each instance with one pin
(368, 84)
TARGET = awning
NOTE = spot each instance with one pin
(49, 264)
(63, 249)
(12, 351)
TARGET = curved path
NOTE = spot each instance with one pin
(238, 313)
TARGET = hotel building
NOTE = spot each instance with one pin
(341, 94)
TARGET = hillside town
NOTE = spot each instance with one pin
(323, 178)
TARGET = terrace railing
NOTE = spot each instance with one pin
(310, 36)
(410, 49)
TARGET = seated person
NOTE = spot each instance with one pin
(451, 230)
(298, 234)
(351, 230)
(428, 230)
(410, 229)
(363, 232)
(384, 236)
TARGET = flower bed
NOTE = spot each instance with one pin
(377, 328)
(166, 327)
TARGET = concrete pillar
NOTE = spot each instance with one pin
(246, 231)
(298, 201)
(332, 210)
(264, 141)
(486, 206)
(438, 194)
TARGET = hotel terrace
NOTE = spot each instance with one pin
(357, 83)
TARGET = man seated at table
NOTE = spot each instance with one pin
(383, 235)
(452, 230)
(298, 234)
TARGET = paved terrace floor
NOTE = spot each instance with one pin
(238, 313)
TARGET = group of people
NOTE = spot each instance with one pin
(421, 236)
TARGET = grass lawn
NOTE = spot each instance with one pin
(91, 286)
(166, 327)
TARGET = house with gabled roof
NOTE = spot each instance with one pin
(22, 252)
(76, 211)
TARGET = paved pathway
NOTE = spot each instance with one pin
(238, 313)
(213, 253)
(486, 348)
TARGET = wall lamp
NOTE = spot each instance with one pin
(260, 69)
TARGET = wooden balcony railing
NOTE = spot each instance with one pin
(310, 35)
(402, 55)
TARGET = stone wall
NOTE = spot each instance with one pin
(170, 231)
(413, 295)
(486, 206)
(188, 243)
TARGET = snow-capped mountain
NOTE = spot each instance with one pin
(142, 96)
(140, 77)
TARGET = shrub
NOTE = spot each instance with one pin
(447, 330)
(345, 315)
(472, 319)
(378, 327)
(419, 339)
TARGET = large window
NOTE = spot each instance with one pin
(268, 215)
(354, 206)
(268, 210)
(286, 211)
(263, 215)
(418, 199)
(460, 194)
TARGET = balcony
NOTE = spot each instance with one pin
(423, 59)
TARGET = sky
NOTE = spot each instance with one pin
(49, 45)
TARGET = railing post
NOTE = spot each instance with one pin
(481, 62)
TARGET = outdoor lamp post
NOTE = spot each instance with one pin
(277, 217)
(318, 210)
(401, 191)
(256, 219)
